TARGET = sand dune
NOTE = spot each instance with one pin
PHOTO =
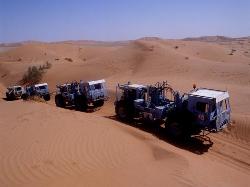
(42, 145)
(2, 91)
(71, 148)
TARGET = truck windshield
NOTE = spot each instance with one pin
(42, 87)
(98, 86)
(18, 88)
(223, 105)
(95, 86)
(202, 107)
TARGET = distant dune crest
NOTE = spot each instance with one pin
(215, 39)
(120, 42)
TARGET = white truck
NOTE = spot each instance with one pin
(14, 92)
(41, 90)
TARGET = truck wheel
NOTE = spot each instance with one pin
(24, 96)
(59, 101)
(12, 97)
(99, 103)
(121, 111)
(81, 103)
(8, 97)
(46, 97)
(174, 130)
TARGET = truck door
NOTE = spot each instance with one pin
(223, 113)
(201, 110)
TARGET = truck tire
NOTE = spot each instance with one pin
(99, 103)
(46, 97)
(174, 130)
(8, 97)
(173, 125)
(24, 96)
(81, 103)
(121, 111)
(59, 101)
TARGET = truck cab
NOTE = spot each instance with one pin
(95, 91)
(210, 108)
(41, 90)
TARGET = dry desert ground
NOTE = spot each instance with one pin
(42, 145)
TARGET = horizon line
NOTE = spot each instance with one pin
(110, 41)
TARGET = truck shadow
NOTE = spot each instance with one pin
(195, 144)
(5, 99)
(90, 109)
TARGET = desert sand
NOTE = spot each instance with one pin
(42, 145)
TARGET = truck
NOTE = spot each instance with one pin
(40, 90)
(81, 95)
(184, 115)
(14, 92)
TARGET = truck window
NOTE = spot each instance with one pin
(98, 86)
(223, 105)
(18, 88)
(64, 89)
(213, 106)
(42, 87)
(202, 107)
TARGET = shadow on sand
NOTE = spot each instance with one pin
(9, 100)
(90, 109)
(195, 144)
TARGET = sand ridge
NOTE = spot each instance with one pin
(79, 148)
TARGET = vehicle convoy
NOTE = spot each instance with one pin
(81, 95)
(40, 90)
(184, 115)
(14, 92)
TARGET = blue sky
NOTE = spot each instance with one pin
(55, 20)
